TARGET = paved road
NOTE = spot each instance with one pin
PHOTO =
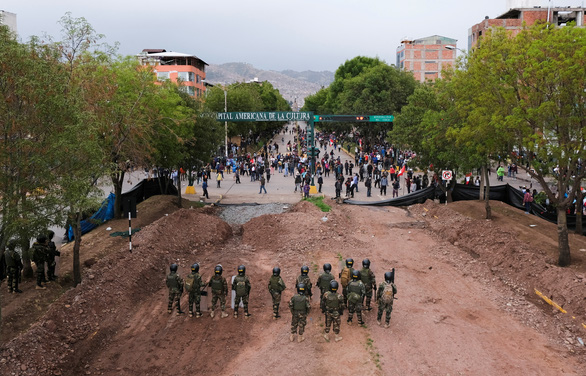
(281, 188)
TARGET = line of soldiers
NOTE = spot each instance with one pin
(42, 251)
(357, 287)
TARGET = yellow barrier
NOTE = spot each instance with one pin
(190, 190)
(549, 301)
(312, 189)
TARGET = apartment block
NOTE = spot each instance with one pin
(426, 57)
(8, 19)
(177, 67)
(519, 14)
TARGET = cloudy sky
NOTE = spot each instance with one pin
(270, 34)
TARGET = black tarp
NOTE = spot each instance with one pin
(461, 192)
(149, 187)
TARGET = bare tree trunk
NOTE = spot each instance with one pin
(563, 242)
(117, 182)
(483, 175)
(179, 200)
(487, 194)
(579, 209)
(76, 246)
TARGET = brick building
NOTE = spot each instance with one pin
(513, 19)
(176, 66)
(426, 57)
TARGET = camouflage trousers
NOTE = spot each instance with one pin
(244, 300)
(215, 298)
(384, 307)
(40, 273)
(355, 307)
(276, 302)
(174, 297)
(12, 278)
(298, 319)
(322, 304)
(194, 297)
(51, 264)
(367, 296)
(334, 319)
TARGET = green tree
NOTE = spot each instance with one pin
(32, 109)
(536, 93)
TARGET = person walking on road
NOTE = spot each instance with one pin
(204, 186)
(219, 178)
(262, 185)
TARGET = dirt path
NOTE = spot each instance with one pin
(452, 316)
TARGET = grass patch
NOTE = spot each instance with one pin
(373, 353)
(319, 202)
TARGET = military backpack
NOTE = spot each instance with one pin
(354, 292)
(299, 302)
(274, 284)
(345, 276)
(365, 276)
(388, 294)
(190, 282)
(332, 300)
(241, 288)
(172, 282)
(324, 281)
(216, 284)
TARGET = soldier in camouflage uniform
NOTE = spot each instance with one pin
(334, 305)
(356, 293)
(13, 267)
(175, 285)
(276, 287)
(300, 307)
(304, 278)
(385, 297)
(241, 284)
(346, 277)
(193, 285)
(367, 277)
(51, 254)
(39, 252)
(219, 291)
(323, 282)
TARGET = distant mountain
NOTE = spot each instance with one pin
(291, 84)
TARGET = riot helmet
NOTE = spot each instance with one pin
(241, 270)
(388, 277)
(173, 267)
(218, 269)
(366, 263)
(355, 275)
(195, 268)
(349, 262)
(12, 244)
(276, 271)
(304, 270)
(301, 288)
(333, 286)
(327, 268)
(41, 239)
(50, 234)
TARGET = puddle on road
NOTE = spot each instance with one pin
(240, 214)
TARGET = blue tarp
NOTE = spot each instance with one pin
(105, 213)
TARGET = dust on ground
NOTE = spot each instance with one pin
(465, 302)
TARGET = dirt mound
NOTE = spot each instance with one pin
(461, 308)
(524, 266)
(89, 315)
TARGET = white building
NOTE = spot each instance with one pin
(8, 19)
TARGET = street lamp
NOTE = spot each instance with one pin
(226, 122)
(452, 48)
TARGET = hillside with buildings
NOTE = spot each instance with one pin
(291, 84)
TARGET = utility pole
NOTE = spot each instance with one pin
(226, 122)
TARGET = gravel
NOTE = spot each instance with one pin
(240, 214)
